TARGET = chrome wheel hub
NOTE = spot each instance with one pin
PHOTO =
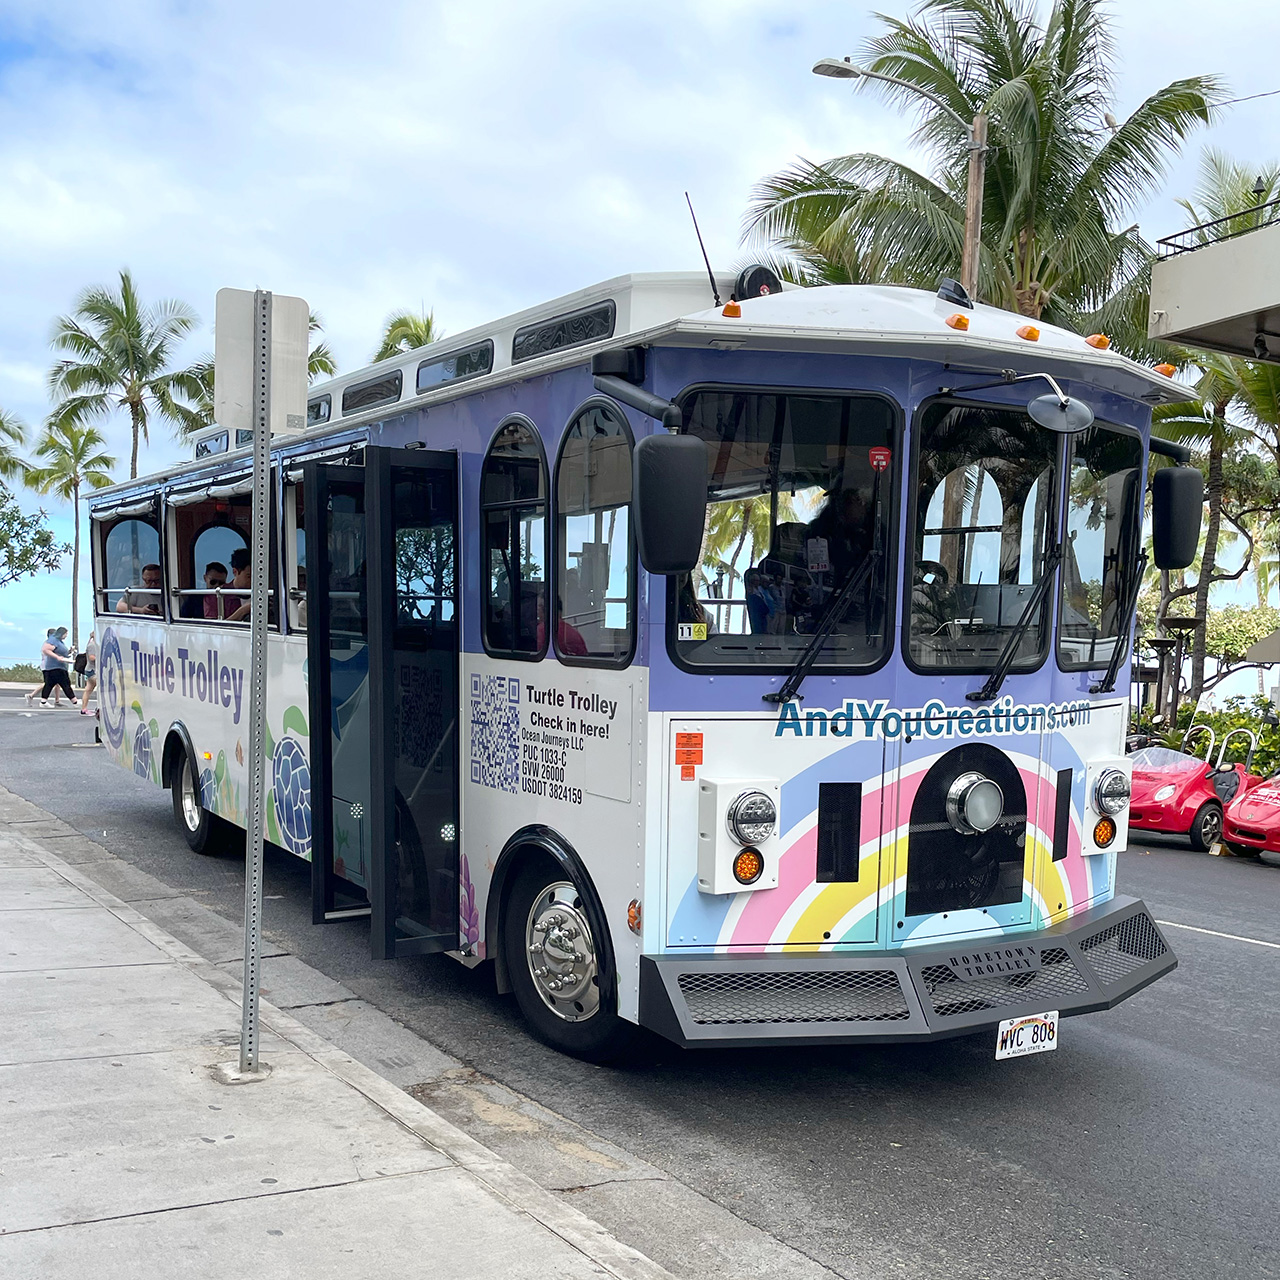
(561, 953)
(1212, 825)
(190, 801)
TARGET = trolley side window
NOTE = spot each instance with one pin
(986, 488)
(513, 520)
(295, 553)
(209, 537)
(595, 567)
(130, 575)
(1101, 546)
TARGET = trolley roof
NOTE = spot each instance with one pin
(671, 308)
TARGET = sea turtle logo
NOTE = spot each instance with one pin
(111, 688)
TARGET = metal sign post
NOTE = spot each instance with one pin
(260, 385)
(260, 562)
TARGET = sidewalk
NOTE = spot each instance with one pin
(121, 1154)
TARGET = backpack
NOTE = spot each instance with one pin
(81, 663)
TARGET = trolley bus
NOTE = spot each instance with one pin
(751, 673)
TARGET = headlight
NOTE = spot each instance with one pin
(1111, 792)
(751, 817)
(1165, 793)
(974, 804)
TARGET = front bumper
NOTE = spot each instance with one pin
(1092, 961)
(1252, 835)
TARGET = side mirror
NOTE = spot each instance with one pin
(669, 500)
(1177, 502)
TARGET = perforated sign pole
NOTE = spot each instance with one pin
(258, 606)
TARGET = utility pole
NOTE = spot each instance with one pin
(973, 206)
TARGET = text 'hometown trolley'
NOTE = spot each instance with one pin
(756, 674)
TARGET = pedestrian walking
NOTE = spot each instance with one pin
(89, 671)
(55, 658)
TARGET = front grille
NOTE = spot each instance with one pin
(1248, 833)
(840, 995)
(1057, 976)
(1119, 949)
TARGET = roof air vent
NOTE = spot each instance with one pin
(954, 292)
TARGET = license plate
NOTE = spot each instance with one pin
(1034, 1033)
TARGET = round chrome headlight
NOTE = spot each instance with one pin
(751, 817)
(1111, 792)
(974, 804)
(1165, 792)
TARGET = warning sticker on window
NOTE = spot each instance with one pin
(691, 630)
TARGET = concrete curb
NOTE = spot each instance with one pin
(576, 1229)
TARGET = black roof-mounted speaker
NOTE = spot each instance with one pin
(756, 282)
(953, 291)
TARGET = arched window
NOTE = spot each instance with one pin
(131, 572)
(595, 566)
(513, 518)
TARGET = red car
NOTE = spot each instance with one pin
(1252, 823)
(1179, 794)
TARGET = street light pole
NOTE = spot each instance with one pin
(845, 69)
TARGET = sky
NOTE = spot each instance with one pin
(473, 159)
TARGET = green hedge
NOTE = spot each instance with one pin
(1238, 713)
(21, 671)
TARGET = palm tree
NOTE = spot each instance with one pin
(13, 435)
(320, 361)
(1061, 176)
(69, 459)
(119, 352)
(407, 331)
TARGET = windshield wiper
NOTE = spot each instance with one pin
(826, 624)
(1124, 620)
(1038, 592)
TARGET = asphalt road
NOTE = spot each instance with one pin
(1146, 1146)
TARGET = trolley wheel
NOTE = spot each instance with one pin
(203, 831)
(1207, 827)
(554, 961)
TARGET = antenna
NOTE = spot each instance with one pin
(715, 293)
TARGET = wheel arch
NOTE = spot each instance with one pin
(176, 737)
(538, 841)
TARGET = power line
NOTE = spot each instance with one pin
(1230, 102)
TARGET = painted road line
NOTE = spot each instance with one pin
(1235, 937)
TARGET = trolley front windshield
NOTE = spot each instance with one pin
(799, 498)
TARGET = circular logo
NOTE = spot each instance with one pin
(111, 688)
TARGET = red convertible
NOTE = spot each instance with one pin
(1180, 794)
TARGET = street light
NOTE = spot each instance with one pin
(845, 69)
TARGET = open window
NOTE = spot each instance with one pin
(595, 568)
(513, 517)
(209, 531)
(130, 574)
(295, 550)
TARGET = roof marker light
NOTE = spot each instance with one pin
(958, 321)
(731, 309)
(1099, 340)
(1029, 332)
(1167, 369)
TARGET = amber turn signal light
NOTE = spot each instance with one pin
(958, 321)
(731, 309)
(1099, 340)
(633, 915)
(1030, 332)
(1104, 832)
(748, 866)
(1167, 369)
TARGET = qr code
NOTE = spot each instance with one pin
(495, 732)
(419, 715)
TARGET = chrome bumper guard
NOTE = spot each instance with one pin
(1092, 961)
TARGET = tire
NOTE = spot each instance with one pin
(1207, 827)
(203, 832)
(545, 903)
(1242, 850)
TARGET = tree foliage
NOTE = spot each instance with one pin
(27, 544)
(117, 354)
(405, 331)
(1060, 182)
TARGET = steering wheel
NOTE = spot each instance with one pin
(925, 568)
